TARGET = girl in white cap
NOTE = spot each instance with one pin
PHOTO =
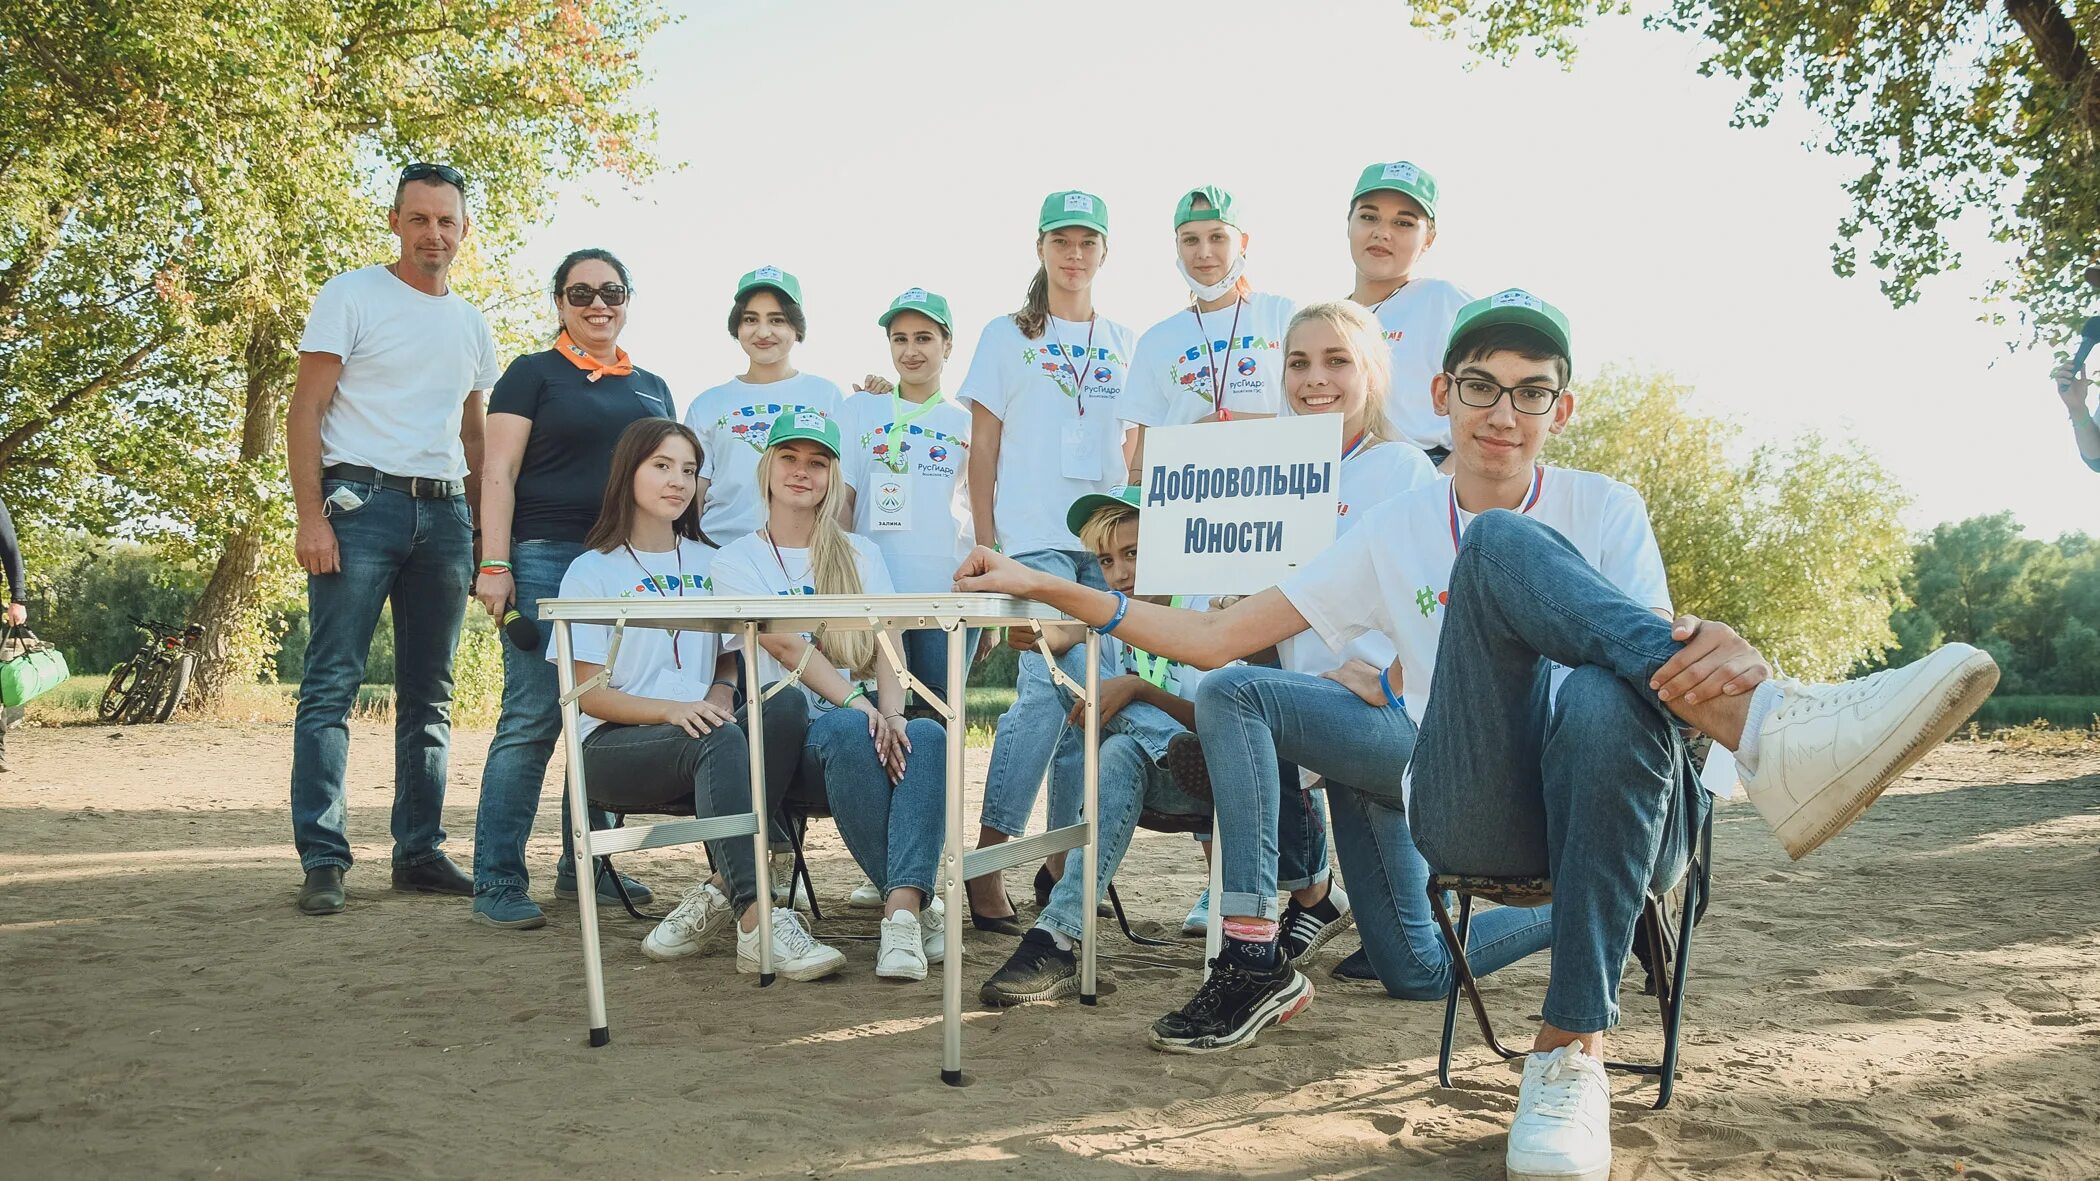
(1052, 375)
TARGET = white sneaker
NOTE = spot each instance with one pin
(1826, 751)
(865, 896)
(1563, 1127)
(902, 955)
(1198, 920)
(796, 955)
(699, 914)
(781, 868)
(933, 931)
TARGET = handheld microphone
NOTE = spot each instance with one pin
(521, 631)
(2088, 339)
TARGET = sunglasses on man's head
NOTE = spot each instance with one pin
(580, 295)
(443, 172)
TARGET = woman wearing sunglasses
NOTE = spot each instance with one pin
(553, 420)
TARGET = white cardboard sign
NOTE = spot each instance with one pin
(1231, 508)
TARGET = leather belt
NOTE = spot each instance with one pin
(420, 487)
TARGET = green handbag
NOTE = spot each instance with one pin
(29, 667)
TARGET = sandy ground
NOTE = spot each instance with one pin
(1919, 999)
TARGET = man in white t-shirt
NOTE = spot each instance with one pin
(1590, 784)
(382, 443)
(1392, 223)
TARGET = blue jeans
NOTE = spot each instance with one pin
(893, 831)
(1248, 718)
(1131, 783)
(418, 554)
(526, 733)
(1592, 788)
(1027, 733)
(926, 655)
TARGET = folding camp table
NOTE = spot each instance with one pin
(885, 615)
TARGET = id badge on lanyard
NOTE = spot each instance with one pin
(1079, 456)
(890, 504)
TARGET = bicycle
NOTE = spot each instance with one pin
(150, 686)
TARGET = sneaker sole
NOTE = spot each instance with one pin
(1600, 1173)
(1280, 1008)
(1326, 936)
(1966, 688)
(1063, 986)
(894, 974)
(318, 911)
(805, 973)
(1190, 770)
(512, 924)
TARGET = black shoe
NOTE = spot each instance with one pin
(1356, 966)
(1005, 924)
(1234, 1005)
(1037, 971)
(1306, 929)
(1185, 763)
(435, 876)
(1044, 883)
(322, 892)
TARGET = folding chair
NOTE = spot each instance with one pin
(1152, 821)
(1662, 940)
(620, 813)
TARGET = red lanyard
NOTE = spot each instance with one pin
(659, 589)
(782, 563)
(1354, 443)
(1078, 374)
(1531, 499)
(1217, 379)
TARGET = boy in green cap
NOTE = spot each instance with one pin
(1392, 223)
(1534, 599)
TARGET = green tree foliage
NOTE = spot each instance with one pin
(1953, 107)
(1801, 547)
(177, 179)
(2035, 605)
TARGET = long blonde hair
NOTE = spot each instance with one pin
(1366, 344)
(834, 566)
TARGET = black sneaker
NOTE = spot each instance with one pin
(1186, 764)
(1306, 929)
(1356, 966)
(1233, 1006)
(1036, 971)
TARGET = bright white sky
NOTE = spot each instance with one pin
(869, 148)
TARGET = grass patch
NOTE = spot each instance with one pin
(2060, 712)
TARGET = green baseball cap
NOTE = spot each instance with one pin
(1085, 507)
(1220, 207)
(1399, 176)
(814, 425)
(772, 277)
(1514, 306)
(1073, 208)
(922, 301)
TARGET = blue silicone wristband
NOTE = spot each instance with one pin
(1385, 682)
(1122, 609)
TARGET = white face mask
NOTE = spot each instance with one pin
(1218, 289)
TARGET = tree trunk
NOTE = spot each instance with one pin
(226, 612)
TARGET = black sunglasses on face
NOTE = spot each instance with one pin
(580, 295)
(444, 172)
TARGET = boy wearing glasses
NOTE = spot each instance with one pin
(383, 441)
(1536, 599)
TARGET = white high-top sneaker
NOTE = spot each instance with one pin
(1562, 1131)
(699, 914)
(796, 954)
(865, 896)
(1826, 751)
(902, 954)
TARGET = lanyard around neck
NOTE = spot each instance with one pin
(656, 584)
(1078, 371)
(1531, 499)
(1155, 670)
(1218, 376)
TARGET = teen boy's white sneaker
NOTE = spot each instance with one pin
(699, 914)
(1563, 1127)
(1825, 752)
(902, 955)
(865, 896)
(782, 871)
(933, 931)
(796, 955)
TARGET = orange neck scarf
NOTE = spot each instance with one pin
(582, 359)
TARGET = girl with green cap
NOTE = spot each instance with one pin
(1221, 357)
(1392, 223)
(1052, 375)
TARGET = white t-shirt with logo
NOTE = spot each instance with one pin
(1183, 360)
(1049, 454)
(409, 362)
(910, 486)
(1369, 477)
(750, 567)
(647, 666)
(1393, 574)
(1417, 323)
(733, 421)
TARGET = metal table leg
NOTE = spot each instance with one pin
(755, 731)
(580, 831)
(1089, 866)
(951, 862)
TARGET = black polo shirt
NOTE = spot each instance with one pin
(575, 422)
